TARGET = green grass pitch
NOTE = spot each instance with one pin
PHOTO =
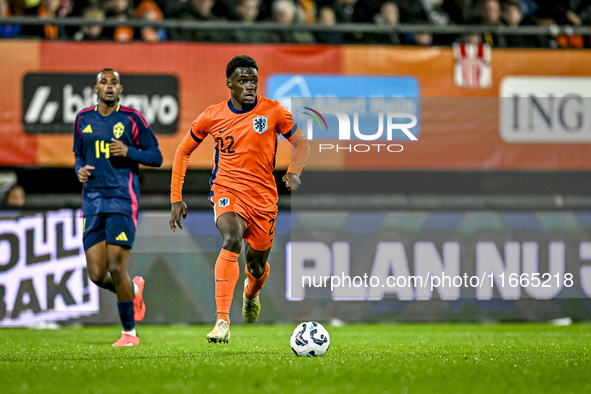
(365, 358)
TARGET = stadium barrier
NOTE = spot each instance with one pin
(272, 26)
(353, 266)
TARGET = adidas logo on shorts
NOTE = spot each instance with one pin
(121, 237)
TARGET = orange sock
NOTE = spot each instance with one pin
(226, 275)
(255, 284)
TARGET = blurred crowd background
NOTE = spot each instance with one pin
(493, 13)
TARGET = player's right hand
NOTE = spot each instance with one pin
(176, 210)
(84, 173)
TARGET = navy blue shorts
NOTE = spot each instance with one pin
(115, 228)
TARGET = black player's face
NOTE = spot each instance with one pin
(243, 84)
(108, 87)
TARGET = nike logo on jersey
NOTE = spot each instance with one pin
(121, 237)
(221, 131)
(221, 280)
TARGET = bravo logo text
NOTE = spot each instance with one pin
(51, 101)
(360, 124)
(43, 276)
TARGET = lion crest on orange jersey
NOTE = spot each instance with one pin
(260, 124)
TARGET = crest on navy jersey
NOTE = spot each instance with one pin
(260, 124)
(118, 130)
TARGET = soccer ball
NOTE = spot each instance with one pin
(309, 339)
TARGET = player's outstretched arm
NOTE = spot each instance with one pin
(298, 161)
(179, 169)
(176, 210)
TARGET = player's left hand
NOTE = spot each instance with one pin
(118, 148)
(292, 181)
(177, 210)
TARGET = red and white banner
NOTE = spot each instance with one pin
(472, 65)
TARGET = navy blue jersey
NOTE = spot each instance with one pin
(113, 186)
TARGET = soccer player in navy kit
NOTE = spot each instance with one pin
(110, 141)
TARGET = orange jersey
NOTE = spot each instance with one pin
(246, 145)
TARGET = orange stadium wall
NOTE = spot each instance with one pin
(459, 126)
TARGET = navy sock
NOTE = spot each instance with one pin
(127, 315)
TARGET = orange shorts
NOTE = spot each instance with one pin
(260, 225)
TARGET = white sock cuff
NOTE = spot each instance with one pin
(132, 332)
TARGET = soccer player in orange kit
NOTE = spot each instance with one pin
(243, 190)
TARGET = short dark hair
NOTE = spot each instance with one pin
(107, 69)
(240, 61)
